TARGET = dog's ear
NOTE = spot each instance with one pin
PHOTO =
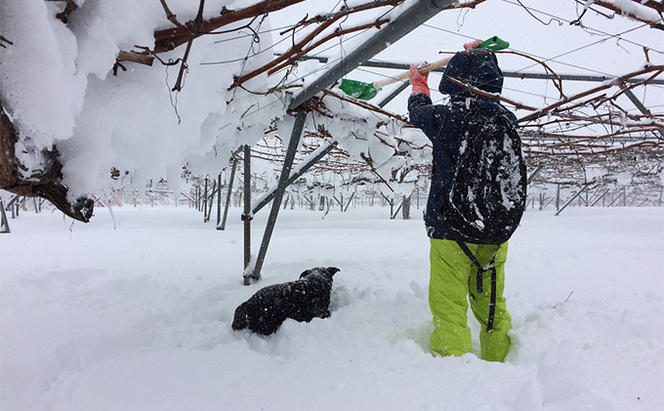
(332, 270)
(305, 274)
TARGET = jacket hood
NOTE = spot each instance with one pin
(478, 68)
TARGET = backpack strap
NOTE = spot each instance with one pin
(480, 271)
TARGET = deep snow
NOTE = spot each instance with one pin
(138, 318)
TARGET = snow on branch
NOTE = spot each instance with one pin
(649, 12)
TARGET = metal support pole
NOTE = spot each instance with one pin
(415, 15)
(247, 206)
(228, 195)
(205, 200)
(218, 200)
(303, 169)
(557, 197)
(4, 224)
(572, 199)
(298, 127)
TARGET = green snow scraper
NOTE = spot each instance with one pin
(367, 91)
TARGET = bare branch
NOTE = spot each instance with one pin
(70, 7)
(170, 15)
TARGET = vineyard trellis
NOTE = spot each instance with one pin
(566, 141)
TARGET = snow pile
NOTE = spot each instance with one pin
(142, 322)
(56, 80)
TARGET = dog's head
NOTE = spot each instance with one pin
(326, 272)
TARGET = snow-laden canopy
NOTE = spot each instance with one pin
(90, 86)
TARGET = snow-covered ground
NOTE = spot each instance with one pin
(138, 318)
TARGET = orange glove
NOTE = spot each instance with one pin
(472, 45)
(419, 81)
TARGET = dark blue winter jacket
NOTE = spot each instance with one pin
(442, 123)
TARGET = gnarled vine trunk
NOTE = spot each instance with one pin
(45, 182)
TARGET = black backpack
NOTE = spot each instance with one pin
(488, 192)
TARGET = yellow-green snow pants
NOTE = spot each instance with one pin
(453, 278)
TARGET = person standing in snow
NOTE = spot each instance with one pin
(453, 275)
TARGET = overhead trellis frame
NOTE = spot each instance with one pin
(415, 15)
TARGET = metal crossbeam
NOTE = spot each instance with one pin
(418, 13)
(510, 74)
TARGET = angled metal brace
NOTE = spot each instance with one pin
(228, 195)
(349, 200)
(637, 103)
(393, 216)
(600, 197)
(303, 169)
(298, 127)
(572, 199)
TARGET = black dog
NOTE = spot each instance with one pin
(301, 300)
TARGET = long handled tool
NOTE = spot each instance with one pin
(367, 91)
